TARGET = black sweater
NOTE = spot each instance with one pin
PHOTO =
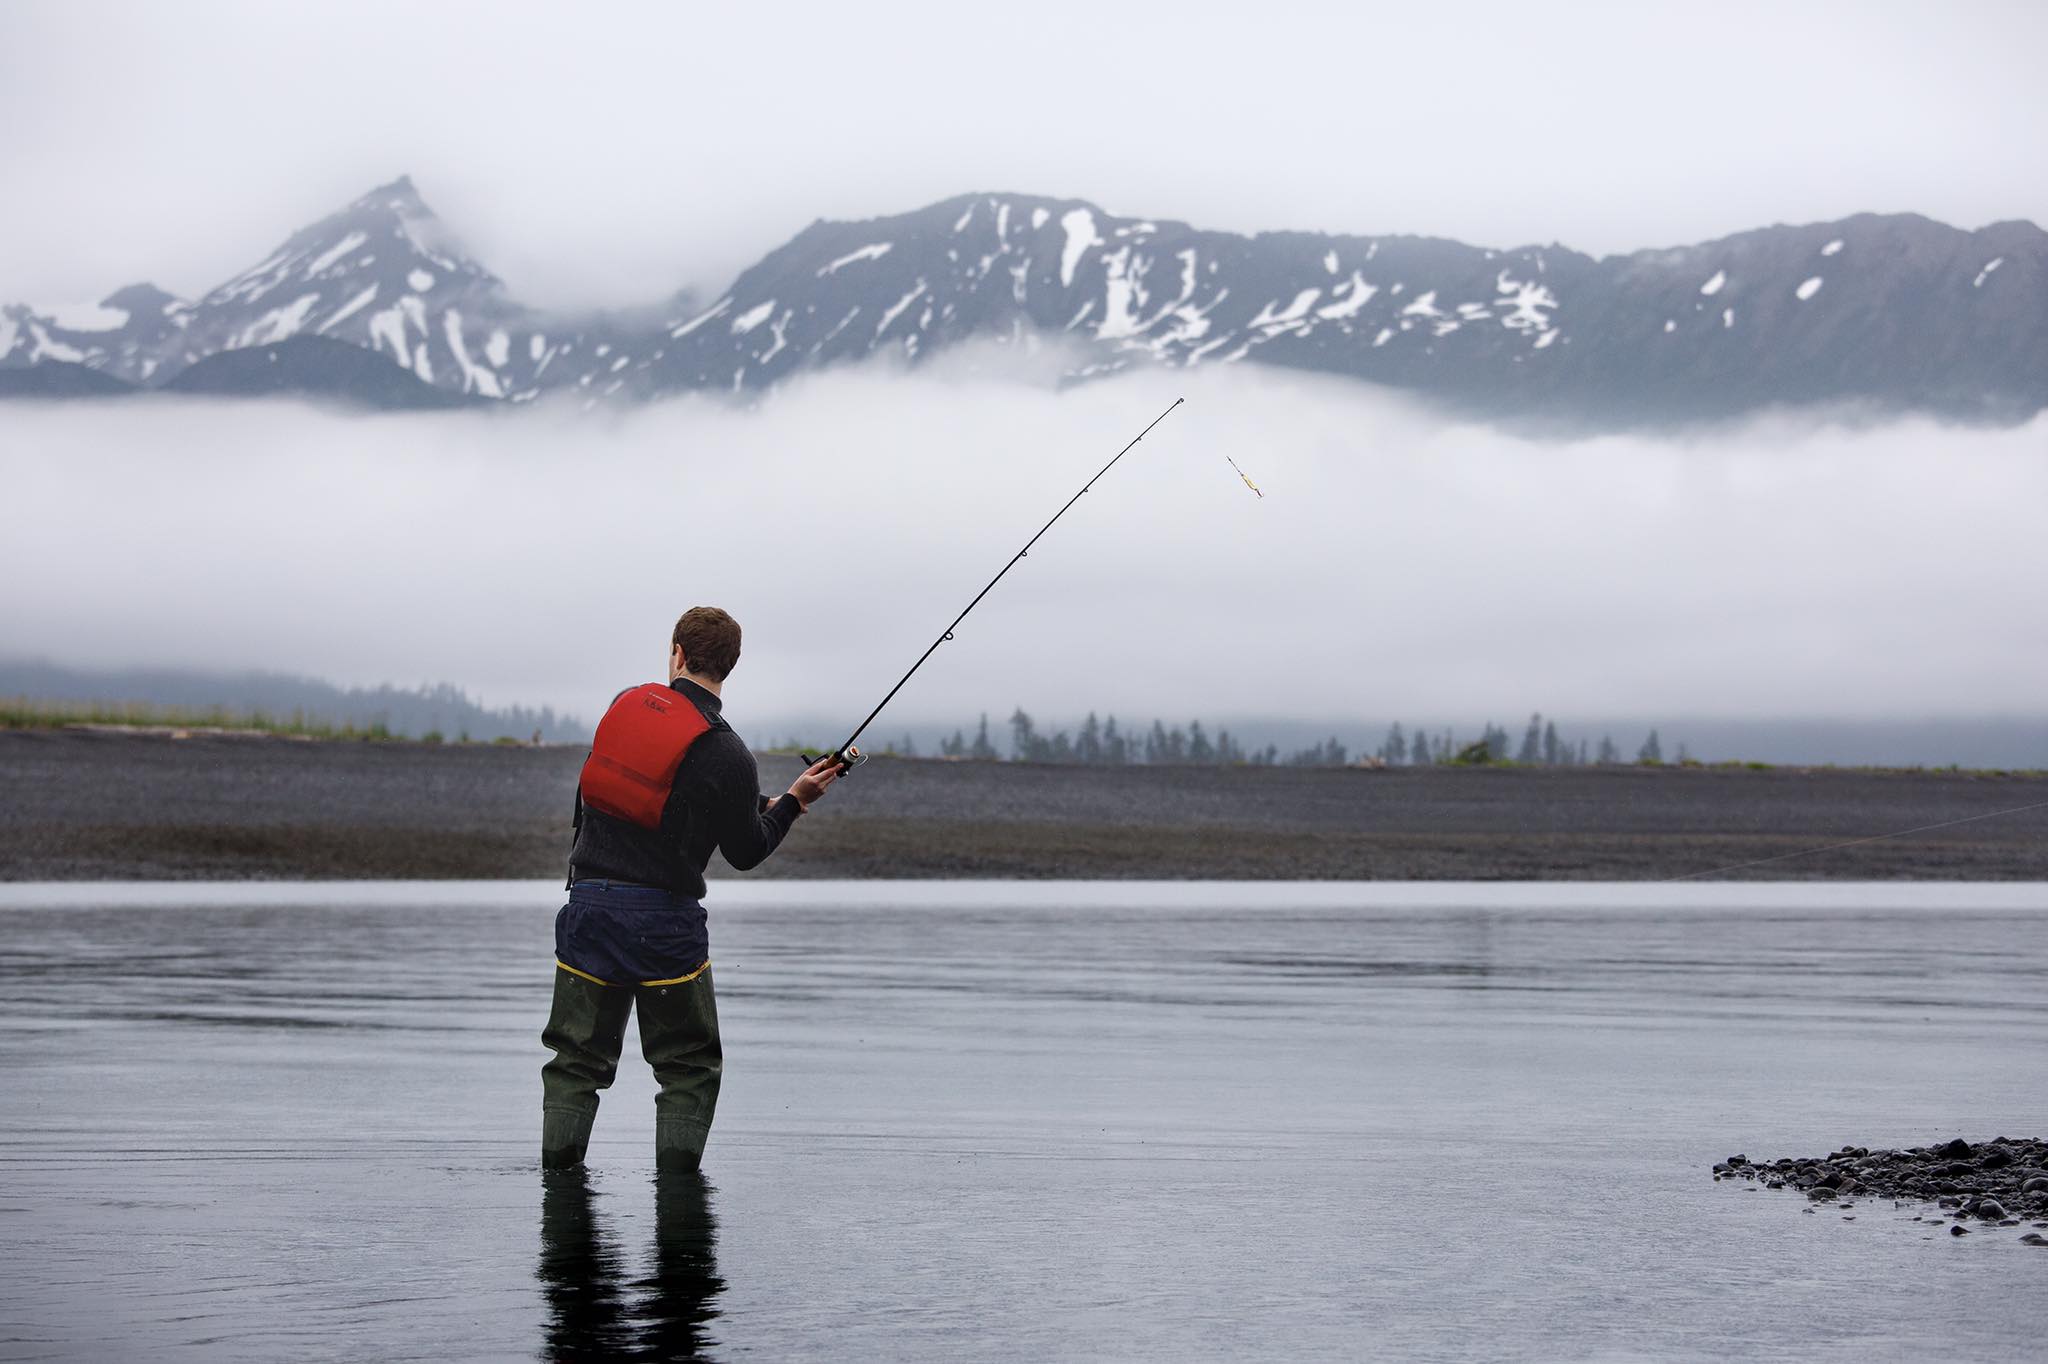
(716, 802)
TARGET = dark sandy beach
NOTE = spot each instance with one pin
(91, 805)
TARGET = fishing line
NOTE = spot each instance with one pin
(849, 756)
(1854, 842)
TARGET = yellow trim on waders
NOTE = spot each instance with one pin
(613, 985)
(681, 980)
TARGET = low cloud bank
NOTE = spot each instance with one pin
(1399, 566)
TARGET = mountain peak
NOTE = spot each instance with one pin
(143, 298)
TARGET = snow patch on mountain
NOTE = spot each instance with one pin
(326, 259)
(1347, 300)
(349, 309)
(1079, 225)
(896, 309)
(872, 251)
(752, 317)
(277, 324)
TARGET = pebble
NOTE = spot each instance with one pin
(2001, 1182)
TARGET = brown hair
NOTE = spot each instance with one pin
(710, 641)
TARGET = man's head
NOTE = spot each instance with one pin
(706, 645)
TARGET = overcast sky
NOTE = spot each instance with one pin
(1402, 565)
(610, 153)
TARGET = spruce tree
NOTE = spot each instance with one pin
(983, 750)
(1023, 736)
(1651, 751)
(1532, 741)
(1199, 748)
(1551, 747)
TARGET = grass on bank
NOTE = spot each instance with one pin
(22, 712)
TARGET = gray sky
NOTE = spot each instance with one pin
(608, 153)
(1399, 566)
(1402, 565)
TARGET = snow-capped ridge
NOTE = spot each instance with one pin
(1540, 329)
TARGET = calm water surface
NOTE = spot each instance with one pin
(996, 1121)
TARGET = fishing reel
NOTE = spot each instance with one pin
(847, 758)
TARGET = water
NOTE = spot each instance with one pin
(1003, 1121)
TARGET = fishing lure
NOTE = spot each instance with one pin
(1241, 474)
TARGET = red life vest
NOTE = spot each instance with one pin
(639, 744)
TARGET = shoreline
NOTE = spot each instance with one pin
(79, 805)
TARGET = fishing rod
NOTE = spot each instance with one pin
(846, 754)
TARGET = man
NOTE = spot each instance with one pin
(666, 781)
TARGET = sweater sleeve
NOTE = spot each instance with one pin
(749, 826)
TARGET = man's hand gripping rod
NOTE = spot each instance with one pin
(849, 757)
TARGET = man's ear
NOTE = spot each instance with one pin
(676, 659)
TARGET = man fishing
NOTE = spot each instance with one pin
(666, 781)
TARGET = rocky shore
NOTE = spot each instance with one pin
(80, 805)
(2000, 1183)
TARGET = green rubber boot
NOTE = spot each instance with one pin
(586, 1030)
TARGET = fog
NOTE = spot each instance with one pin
(1399, 566)
(610, 153)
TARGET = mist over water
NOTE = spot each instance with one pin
(1400, 565)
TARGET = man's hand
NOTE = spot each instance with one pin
(816, 778)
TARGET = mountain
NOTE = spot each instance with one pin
(1896, 311)
(60, 379)
(317, 367)
(383, 274)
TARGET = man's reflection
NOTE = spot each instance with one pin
(591, 1312)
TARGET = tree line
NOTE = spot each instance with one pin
(1104, 742)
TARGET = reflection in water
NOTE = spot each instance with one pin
(591, 1315)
